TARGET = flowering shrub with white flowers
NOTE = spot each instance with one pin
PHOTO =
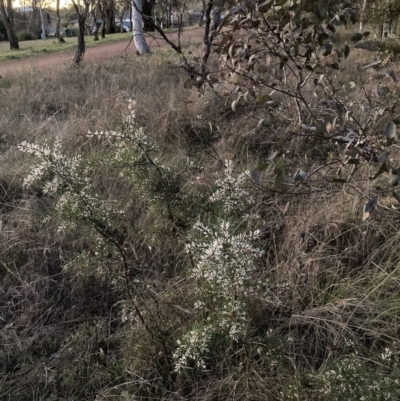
(80, 198)
(232, 191)
(223, 255)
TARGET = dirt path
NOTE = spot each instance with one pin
(92, 55)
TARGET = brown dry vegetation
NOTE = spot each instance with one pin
(63, 336)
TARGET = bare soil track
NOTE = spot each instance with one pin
(93, 54)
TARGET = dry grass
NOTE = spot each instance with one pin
(335, 279)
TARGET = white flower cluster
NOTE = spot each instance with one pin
(231, 190)
(64, 177)
(129, 132)
(350, 379)
(69, 178)
(224, 259)
(223, 255)
(191, 350)
(52, 164)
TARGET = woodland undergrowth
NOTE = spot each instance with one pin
(157, 244)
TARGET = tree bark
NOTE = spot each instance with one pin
(58, 23)
(80, 51)
(203, 12)
(148, 6)
(138, 37)
(110, 17)
(96, 27)
(7, 16)
(130, 17)
(362, 14)
(103, 20)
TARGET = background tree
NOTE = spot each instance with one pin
(82, 10)
(138, 32)
(58, 35)
(94, 11)
(7, 14)
(107, 10)
(381, 15)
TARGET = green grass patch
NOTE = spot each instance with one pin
(33, 48)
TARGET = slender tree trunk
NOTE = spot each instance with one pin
(43, 34)
(103, 20)
(203, 12)
(33, 15)
(121, 23)
(110, 17)
(103, 29)
(148, 24)
(96, 27)
(215, 18)
(362, 14)
(138, 37)
(58, 23)
(80, 51)
(130, 17)
(7, 16)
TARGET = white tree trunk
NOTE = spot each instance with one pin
(138, 36)
(362, 15)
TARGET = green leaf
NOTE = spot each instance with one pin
(299, 177)
(394, 180)
(308, 54)
(356, 37)
(272, 155)
(265, 6)
(263, 98)
(371, 204)
(236, 9)
(256, 176)
(331, 28)
(382, 158)
(284, 60)
(391, 133)
(392, 75)
(368, 45)
(383, 90)
(328, 49)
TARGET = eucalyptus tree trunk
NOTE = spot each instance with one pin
(103, 19)
(96, 27)
(138, 36)
(362, 16)
(58, 35)
(109, 16)
(130, 17)
(7, 15)
(202, 12)
(80, 51)
(148, 21)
